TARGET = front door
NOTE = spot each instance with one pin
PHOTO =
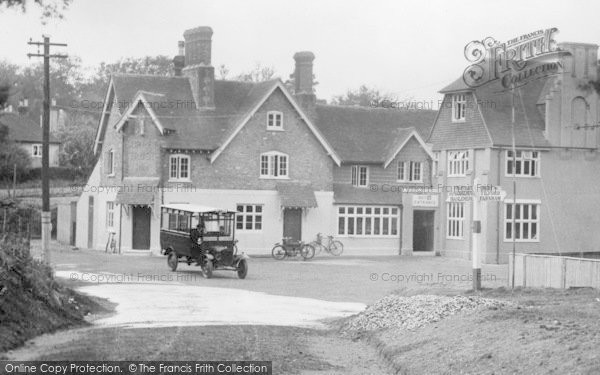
(292, 223)
(423, 230)
(141, 228)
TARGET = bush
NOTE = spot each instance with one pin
(10, 155)
(32, 302)
(56, 173)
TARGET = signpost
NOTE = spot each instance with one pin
(478, 194)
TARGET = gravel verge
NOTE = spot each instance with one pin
(412, 312)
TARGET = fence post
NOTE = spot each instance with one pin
(4, 222)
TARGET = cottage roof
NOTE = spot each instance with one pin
(23, 129)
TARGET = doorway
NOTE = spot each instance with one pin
(141, 228)
(423, 231)
(292, 223)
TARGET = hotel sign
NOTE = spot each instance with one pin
(425, 200)
(514, 63)
(481, 193)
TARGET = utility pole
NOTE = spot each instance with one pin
(514, 186)
(476, 233)
(46, 139)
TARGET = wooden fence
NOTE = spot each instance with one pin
(553, 271)
(22, 222)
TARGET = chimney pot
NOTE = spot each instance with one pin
(179, 60)
(198, 46)
(303, 74)
(303, 78)
(198, 66)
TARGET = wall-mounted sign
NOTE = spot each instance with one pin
(482, 193)
(425, 200)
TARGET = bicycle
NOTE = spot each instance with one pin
(333, 247)
(111, 243)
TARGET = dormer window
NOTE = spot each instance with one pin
(274, 120)
(459, 106)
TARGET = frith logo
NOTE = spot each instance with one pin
(515, 62)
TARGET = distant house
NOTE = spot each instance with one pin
(289, 166)
(27, 134)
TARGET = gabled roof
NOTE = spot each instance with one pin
(409, 134)
(371, 135)
(494, 110)
(23, 129)
(145, 99)
(170, 102)
(456, 86)
(277, 84)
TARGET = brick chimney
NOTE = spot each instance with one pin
(303, 78)
(198, 66)
(179, 60)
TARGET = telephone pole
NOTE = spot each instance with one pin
(46, 139)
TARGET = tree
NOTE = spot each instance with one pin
(77, 140)
(4, 94)
(50, 8)
(11, 154)
(258, 74)
(290, 84)
(364, 96)
(95, 89)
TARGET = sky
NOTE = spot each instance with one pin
(409, 48)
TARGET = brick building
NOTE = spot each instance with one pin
(288, 165)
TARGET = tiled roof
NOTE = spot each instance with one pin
(134, 198)
(348, 194)
(356, 134)
(296, 195)
(23, 129)
(369, 135)
(193, 128)
(529, 123)
(495, 104)
(457, 85)
(459, 135)
(546, 90)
